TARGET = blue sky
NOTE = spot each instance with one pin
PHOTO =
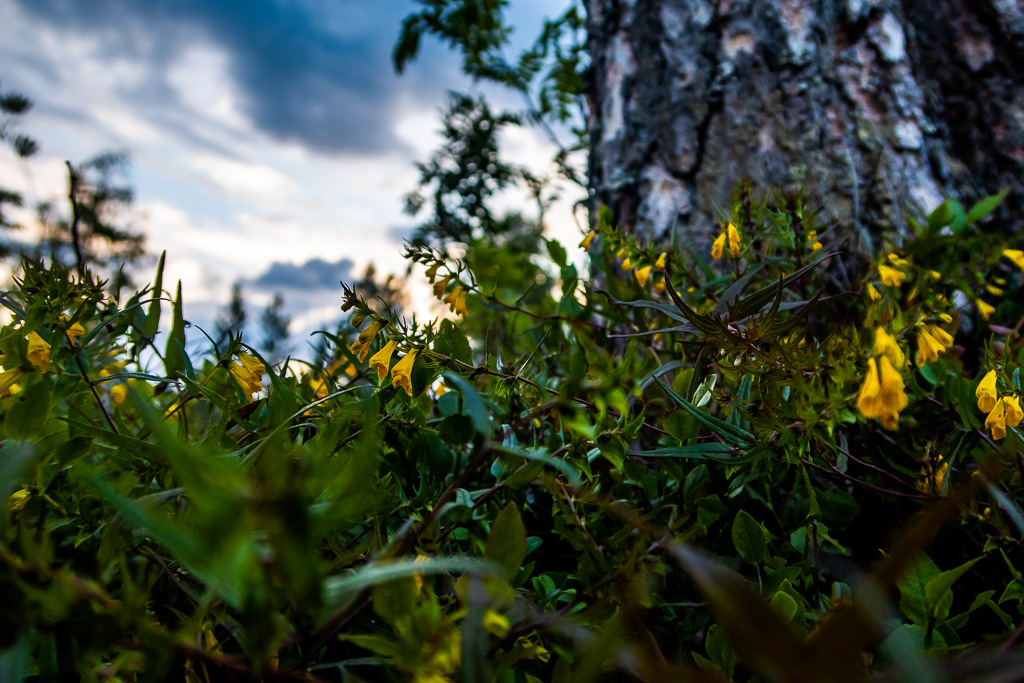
(270, 139)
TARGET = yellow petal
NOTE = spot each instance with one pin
(382, 359)
(886, 344)
(985, 309)
(996, 421)
(642, 274)
(585, 244)
(1011, 406)
(626, 265)
(38, 351)
(660, 263)
(891, 277)
(734, 239)
(868, 401)
(718, 247)
(401, 374)
(1015, 255)
(986, 392)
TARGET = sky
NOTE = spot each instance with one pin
(270, 141)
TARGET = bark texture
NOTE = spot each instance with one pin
(882, 108)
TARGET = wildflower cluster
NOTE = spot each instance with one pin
(637, 467)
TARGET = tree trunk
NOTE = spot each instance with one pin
(881, 108)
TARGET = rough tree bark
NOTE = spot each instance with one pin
(882, 108)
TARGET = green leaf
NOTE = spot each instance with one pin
(175, 359)
(152, 321)
(938, 589)
(913, 586)
(749, 538)
(985, 207)
(733, 435)
(472, 404)
(29, 409)
(506, 544)
(452, 342)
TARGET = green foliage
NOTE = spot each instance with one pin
(687, 475)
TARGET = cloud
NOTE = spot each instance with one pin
(315, 274)
(303, 71)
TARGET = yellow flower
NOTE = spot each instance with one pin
(933, 478)
(456, 301)
(996, 421)
(8, 381)
(718, 246)
(1013, 411)
(985, 309)
(873, 294)
(626, 265)
(931, 341)
(401, 374)
(812, 239)
(935, 275)
(734, 239)
(993, 290)
(73, 332)
(248, 372)
(642, 275)
(362, 343)
(660, 263)
(19, 499)
(869, 400)
(986, 392)
(891, 277)
(432, 271)
(886, 344)
(585, 244)
(496, 623)
(1015, 255)
(38, 351)
(882, 395)
(659, 286)
(897, 261)
(382, 359)
(441, 285)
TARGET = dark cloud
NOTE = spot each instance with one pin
(317, 72)
(312, 275)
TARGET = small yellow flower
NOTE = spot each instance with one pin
(891, 277)
(993, 290)
(74, 331)
(626, 265)
(585, 244)
(432, 271)
(456, 301)
(621, 254)
(19, 499)
(985, 309)
(660, 263)
(401, 374)
(886, 344)
(248, 372)
(896, 261)
(816, 246)
(38, 351)
(1015, 255)
(718, 247)
(933, 478)
(873, 294)
(642, 274)
(441, 285)
(996, 421)
(382, 359)
(1013, 411)
(8, 381)
(496, 623)
(734, 239)
(659, 286)
(931, 341)
(882, 394)
(986, 392)
(362, 343)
